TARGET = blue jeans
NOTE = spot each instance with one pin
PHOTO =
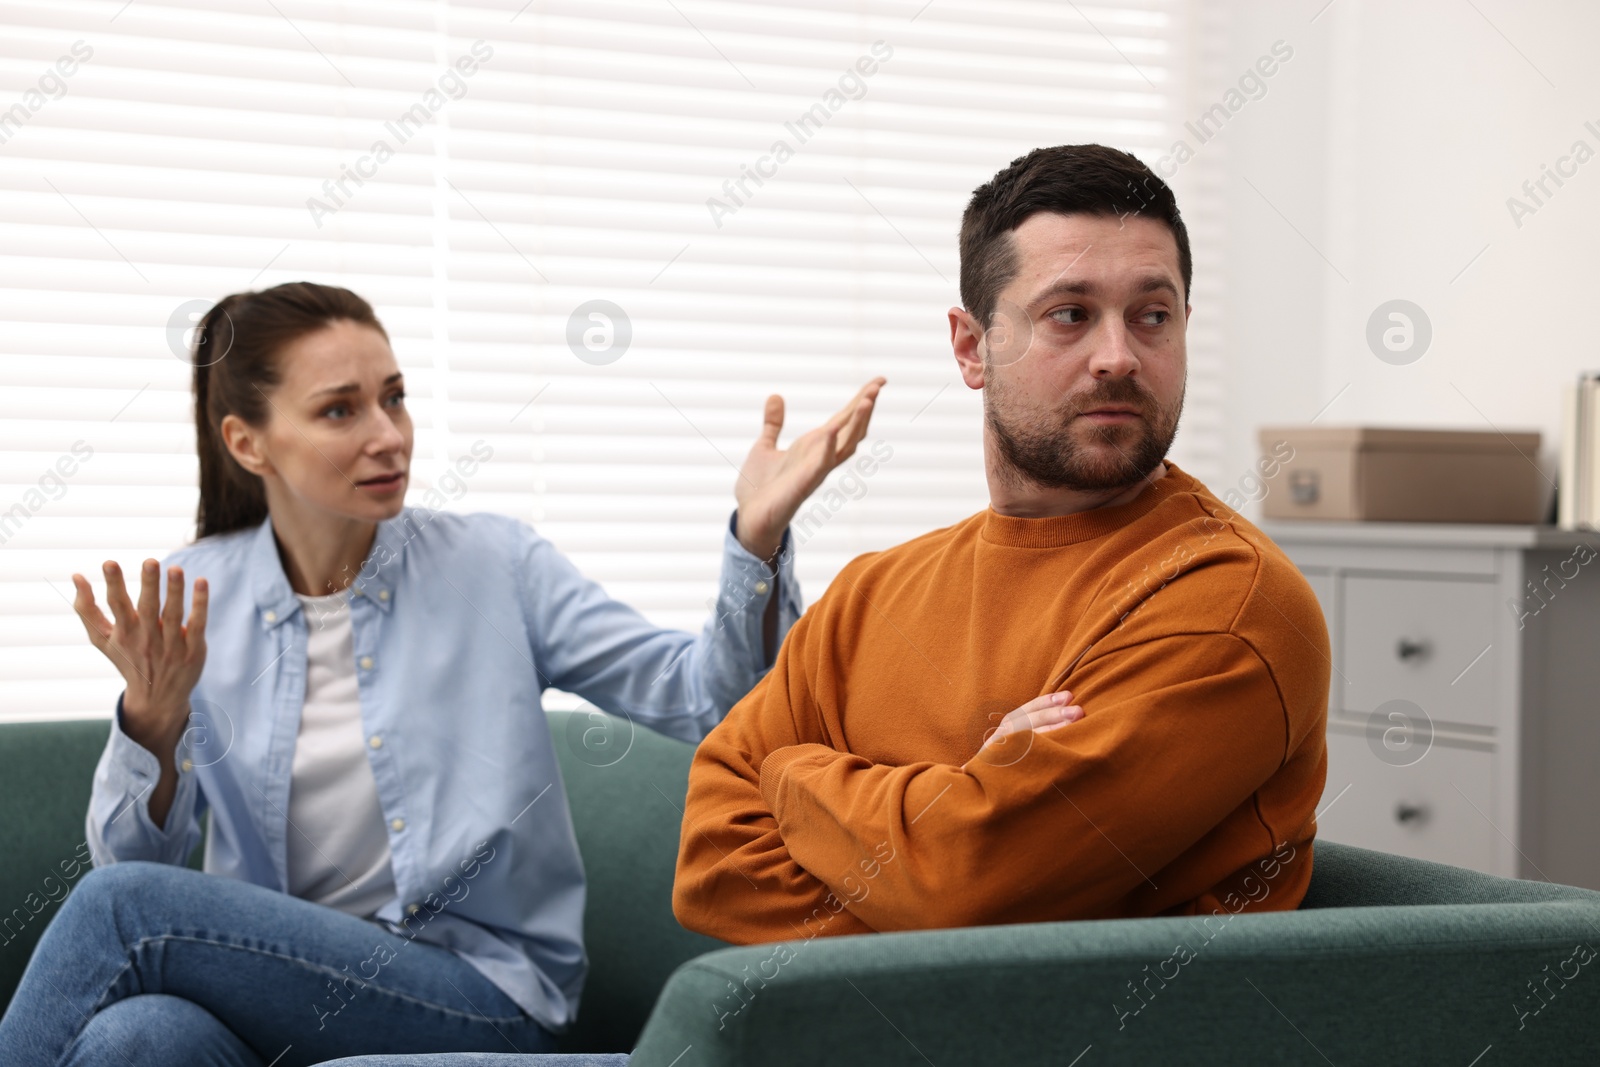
(153, 964)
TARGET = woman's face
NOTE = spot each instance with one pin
(337, 423)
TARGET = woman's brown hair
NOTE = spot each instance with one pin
(236, 356)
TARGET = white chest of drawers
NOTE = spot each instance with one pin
(1464, 706)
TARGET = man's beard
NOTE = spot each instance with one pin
(1047, 454)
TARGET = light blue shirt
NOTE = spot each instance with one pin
(460, 623)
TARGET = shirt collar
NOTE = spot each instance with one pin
(376, 580)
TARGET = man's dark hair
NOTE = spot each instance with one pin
(1084, 179)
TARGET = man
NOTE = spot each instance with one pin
(873, 782)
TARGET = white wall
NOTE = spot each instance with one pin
(1391, 142)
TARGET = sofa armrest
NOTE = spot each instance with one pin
(1421, 984)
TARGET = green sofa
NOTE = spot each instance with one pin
(1388, 961)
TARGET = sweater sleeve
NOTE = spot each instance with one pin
(1177, 733)
(736, 879)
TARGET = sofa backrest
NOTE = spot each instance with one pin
(1344, 876)
(45, 773)
(626, 785)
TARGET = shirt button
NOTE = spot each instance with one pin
(761, 587)
(383, 594)
(366, 663)
(412, 909)
(271, 616)
(357, 588)
(397, 824)
(375, 741)
(188, 764)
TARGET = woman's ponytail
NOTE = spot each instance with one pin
(235, 356)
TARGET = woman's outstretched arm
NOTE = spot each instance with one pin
(678, 683)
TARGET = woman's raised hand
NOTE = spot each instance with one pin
(774, 483)
(159, 657)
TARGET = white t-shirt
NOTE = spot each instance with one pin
(338, 847)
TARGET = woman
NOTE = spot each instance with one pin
(400, 867)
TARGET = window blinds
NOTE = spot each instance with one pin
(600, 233)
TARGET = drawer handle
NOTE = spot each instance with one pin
(1408, 649)
(1404, 813)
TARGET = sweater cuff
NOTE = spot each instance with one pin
(778, 761)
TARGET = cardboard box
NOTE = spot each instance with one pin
(1379, 474)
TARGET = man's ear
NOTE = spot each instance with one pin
(966, 342)
(243, 442)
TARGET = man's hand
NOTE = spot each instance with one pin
(775, 482)
(1038, 716)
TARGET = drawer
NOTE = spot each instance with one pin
(1424, 810)
(1414, 639)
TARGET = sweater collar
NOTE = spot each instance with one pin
(1059, 531)
(274, 596)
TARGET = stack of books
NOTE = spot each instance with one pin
(1578, 506)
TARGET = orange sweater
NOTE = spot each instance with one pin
(832, 799)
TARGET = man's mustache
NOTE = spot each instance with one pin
(1123, 394)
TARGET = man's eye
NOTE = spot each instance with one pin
(399, 395)
(1160, 317)
(336, 407)
(1066, 311)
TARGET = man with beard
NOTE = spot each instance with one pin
(1103, 696)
